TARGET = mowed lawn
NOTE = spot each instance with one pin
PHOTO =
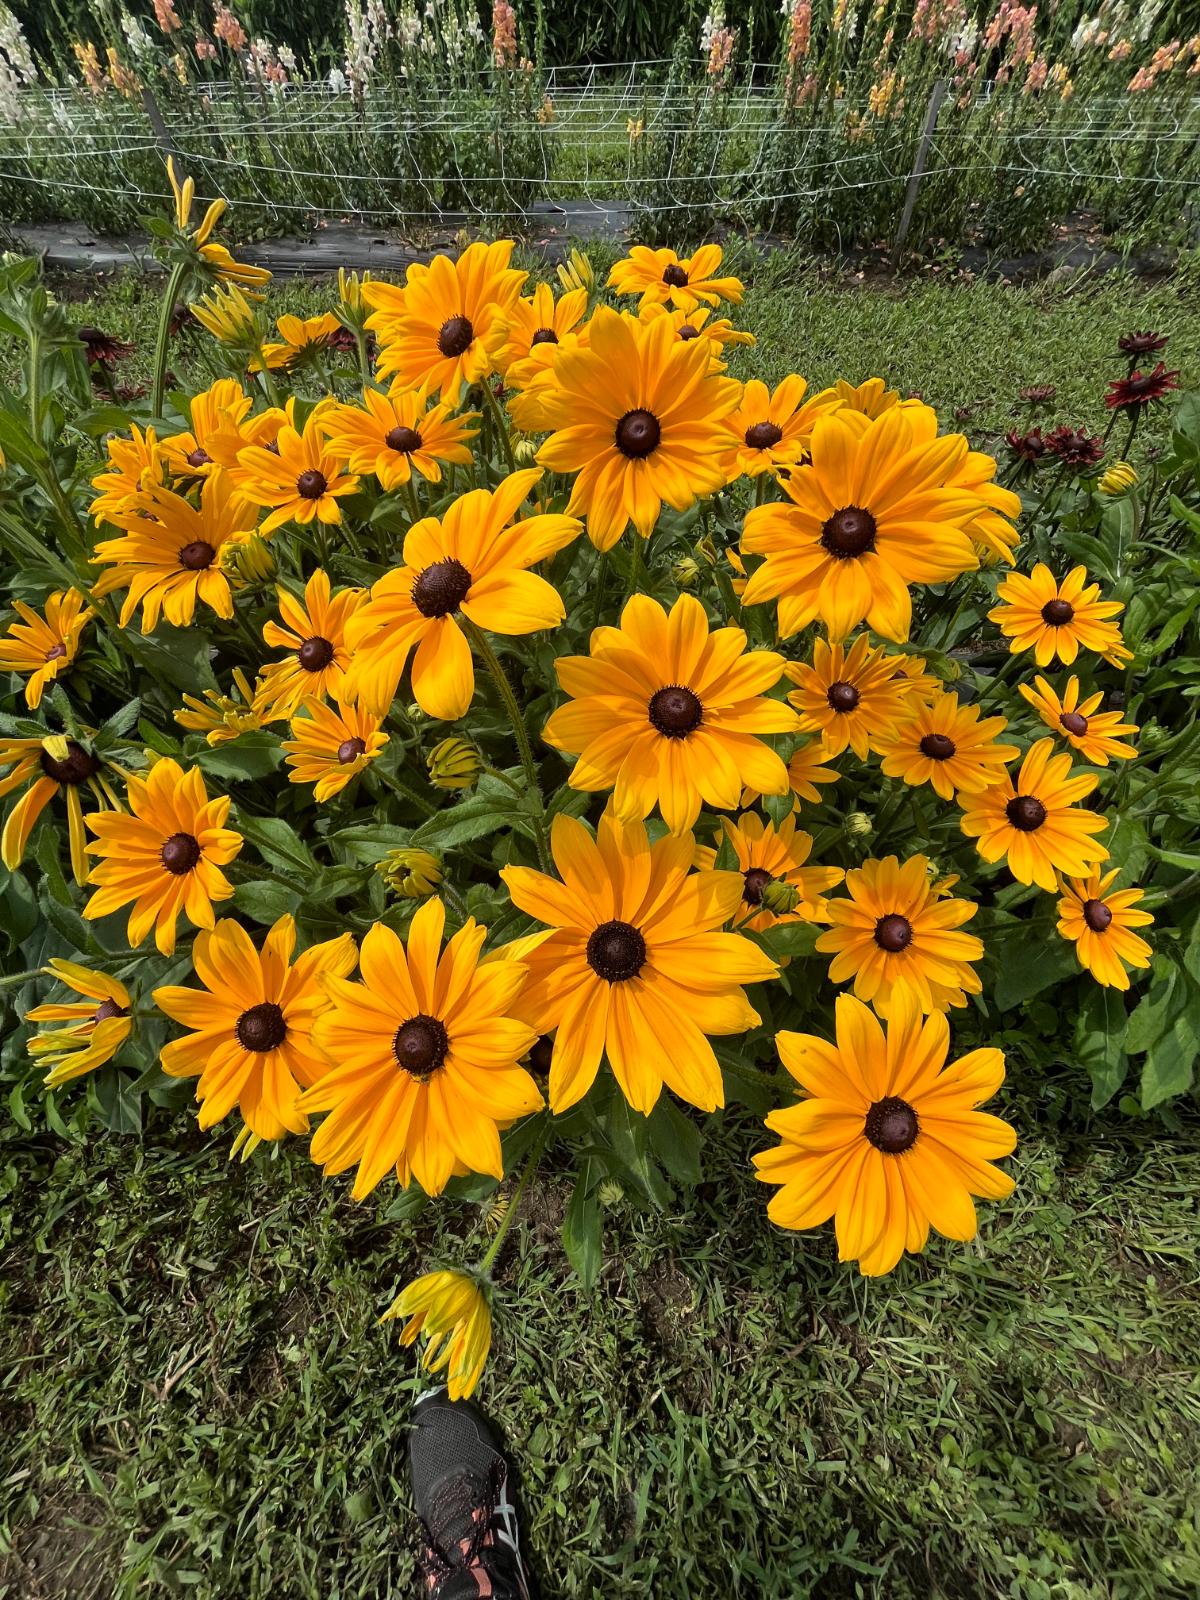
(196, 1398)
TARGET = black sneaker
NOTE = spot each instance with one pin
(461, 1493)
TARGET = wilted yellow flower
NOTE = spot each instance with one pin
(577, 272)
(1118, 479)
(635, 127)
(228, 314)
(95, 1028)
(454, 764)
(214, 257)
(221, 717)
(413, 874)
(451, 1311)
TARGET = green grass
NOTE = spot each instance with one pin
(196, 1397)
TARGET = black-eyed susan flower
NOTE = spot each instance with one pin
(330, 745)
(661, 277)
(165, 857)
(1098, 919)
(1034, 821)
(220, 408)
(423, 1057)
(444, 328)
(449, 1310)
(850, 696)
(807, 774)
(472, 561)
(394, 435)
(300, 339)
(230, 315)
(535, 327)
(44, 644)
(213, 258)
(44, 767)
(703, 326)
(168, 558)
(894, 936)
(300, 479)
(767, 853)
(872, 512)
(222, 717)
(668, 714)
(1079, 720)
(770, 430)
(635, 968)
(132, 464)
(92, 1029)
(871, 398)
(313, 632)
(634, 416)
(251, 1044)
(1056, 619)
(889, 1140)
(945, 744)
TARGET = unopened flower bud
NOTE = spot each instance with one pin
(686, 571)
(859, 825)
(524, 451)
(247, 560)
(412, 874)
(610, 1194)
(453, 764)
(1118, 479)
(706, 550)
(780, 897)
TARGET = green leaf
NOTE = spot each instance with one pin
(1100, 1042)
(1169, 1064)
(178, 656)
(278, 843)
(629, 1138)
(266, 901)
(250, 755)
(114, 1098)
(480, 814)
(1155, 1013)
(1031, 958)
(581, 1227)
(791, 939)
(118, 724)
(675, 1141)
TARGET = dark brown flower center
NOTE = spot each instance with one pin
(311, 485)
(638, 434)
(891, 1126)
(403, 439)
(1026, 813)
(842, 696)
(893, 933)
(849, 532)
(1057, 613)
(675, 711)
(454, 336)
(180, 853)
(199, 457)
(756, 880)
(441, 588)
(543, 336)
(1074, 723)
(350, 749)
(1097, 915)
(75, 767)
(315, 654)
(197, 555)
(686, 332)
(675, 276)
(541, 1056)
(420, 1045)
(616, 952)
(937, 746)
(262, 1028)
(107, 1009)
(763, 435)
(56, 652)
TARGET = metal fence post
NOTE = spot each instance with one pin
(914, 178)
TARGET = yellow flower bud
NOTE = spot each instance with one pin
(1118, 479)
(577, 272)
(610, 1193)
(453, 764)
(686, 571)
(412, 874)
(859, 825)
(246, 559)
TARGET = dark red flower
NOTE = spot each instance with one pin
(101, 349)
(1140, 389)
(1074, 448)
(342, 339)
(1141, 344)
(182, 319)
(1037, 394)
(1029, 446)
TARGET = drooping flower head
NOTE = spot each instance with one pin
(450, 1311)
(668, 714)
(661, 277)
(1056, 619)
(42, 645)
(889, 1140)
(635, 969)
(1098, 919)
(1078, 720)
(93, 1029)
(1034, 822)
(45, 768)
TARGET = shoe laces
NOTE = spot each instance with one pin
(469, 1502)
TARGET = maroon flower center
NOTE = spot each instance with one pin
(541, 1056)
(199, 457)
(350, 749)
(56, 652)
(420, 1046)
(686, 332)
(441, 588)
(311, 485)
(893, 933)
(262, 1028)
(756, 880)
(848, 533)
(543, 336)
(937, 746)
(402, 439)
(763, 435)
(675, 276)
(891, 1125)
(315, 654)
(455, 336)
(1057, 613)
(75, 767)
(107, 1009)
(180, 853)
(638, 434)
(842, 696)
(1074, 723)
(1097, 915)
(197, 555)
(1026, 813)
(616, 952)
(675, 711)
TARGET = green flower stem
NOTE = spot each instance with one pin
(414, 505)
(498, 424)
(402, 789)
(364, 362)
(492, 661)
(35, 386)
(270, 387)
(601, 574)
(161, 344)
(11, 979)
(635, 564)
(531, 1165)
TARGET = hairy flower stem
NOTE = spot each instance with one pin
(163, 339)
(635, 565)
(492, 661)
(531, 1165)
(499, 424)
